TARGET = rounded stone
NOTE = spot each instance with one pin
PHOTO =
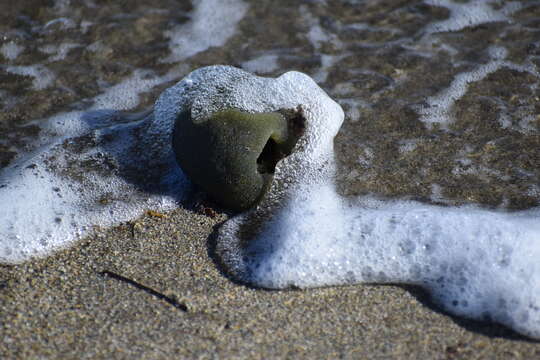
(232, 154)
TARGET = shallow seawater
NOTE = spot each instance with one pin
(437, 163)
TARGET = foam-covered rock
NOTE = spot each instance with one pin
(211, 90)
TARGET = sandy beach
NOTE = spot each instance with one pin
(68, 306)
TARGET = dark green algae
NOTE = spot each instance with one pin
(232, 154)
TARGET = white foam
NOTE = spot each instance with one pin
(43, 77)
(11, 50)
(44, 210)
(439, 107)
(61, 23)
(470, 14)
(476, 263)
(51, 198)
(58, 52)
(125, 95)
(80, 208)
(316, 35)
(327, 61)
(212, 23)
(122, 96)
(408, 145)
(263, 64)
(86, 25)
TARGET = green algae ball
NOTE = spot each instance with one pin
(232, 154)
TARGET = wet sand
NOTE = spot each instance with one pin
(150, 289)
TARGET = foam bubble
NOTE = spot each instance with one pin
(212, 23)
(316, 35)
(125, 95)
(61, 23)
(11, 50)
(439, 107)
(43, 77)
(476, 263)
(58, 194)
(262, 65)
(90, 169)
(58, 52)
(470, 14)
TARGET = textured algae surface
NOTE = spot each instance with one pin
(233, 154)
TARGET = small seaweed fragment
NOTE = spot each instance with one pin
(170, 300)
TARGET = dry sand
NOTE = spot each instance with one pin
(66, 307)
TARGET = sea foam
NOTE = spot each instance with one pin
(83, 171)
(471, 13)
(11, 50)
(43, 77)
(438, 108)
(212, 24)
(476, 263)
